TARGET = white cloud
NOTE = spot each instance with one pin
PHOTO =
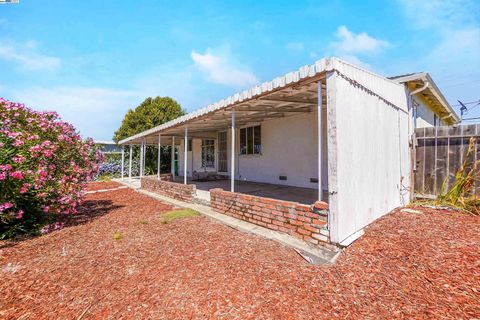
(295, 47)
(350, 46)
(360, 43)
(93, 111)
(26, 56)
(221, 69)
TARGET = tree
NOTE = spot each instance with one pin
(150, 113)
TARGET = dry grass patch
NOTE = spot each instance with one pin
(117, 235)
(178, 214)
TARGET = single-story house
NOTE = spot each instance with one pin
(318, 153)
(108, 146)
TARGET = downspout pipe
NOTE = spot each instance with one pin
(414, 92)
(413, 138)
(425, 86)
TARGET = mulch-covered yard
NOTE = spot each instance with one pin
(118, 260)
(103, 185)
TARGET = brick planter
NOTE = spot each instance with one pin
(179, 191)
(299, 220)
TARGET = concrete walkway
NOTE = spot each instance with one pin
(133, 183)
(311, 253)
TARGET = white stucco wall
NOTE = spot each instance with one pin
(289, 148)
(425, 113)
(368, 151)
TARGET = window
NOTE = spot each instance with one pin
(208, 153)
(251, 140)
(222, 151)
(189, 146)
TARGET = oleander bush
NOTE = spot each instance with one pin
(44, 168)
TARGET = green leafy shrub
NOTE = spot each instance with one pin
(44, 167)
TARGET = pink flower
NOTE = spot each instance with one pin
(24, 188)
(18, 159)
(5, 167)
(42, 173)
(5, 205)
(19, 214)
(3, 176)
(17, 175)
(18, 143)
(47, 153)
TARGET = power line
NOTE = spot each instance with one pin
(475, 118)
(471, 102)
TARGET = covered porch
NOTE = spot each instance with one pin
(267, 141)
(259, 156)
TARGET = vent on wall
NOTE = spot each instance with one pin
(314, 180)
(282, 177)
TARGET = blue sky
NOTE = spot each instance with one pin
(93, 60)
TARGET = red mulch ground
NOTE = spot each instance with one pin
(94, 186)
(406, 266)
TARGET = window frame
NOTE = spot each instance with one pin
(204, 153)
(252, 144)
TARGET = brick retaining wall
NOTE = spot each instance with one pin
(299, 220)
(179, 191)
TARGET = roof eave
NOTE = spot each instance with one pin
(425, 77)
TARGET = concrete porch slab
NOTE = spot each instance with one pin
(266, 190)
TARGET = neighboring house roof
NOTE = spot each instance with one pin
(104, 142)
(431, 93)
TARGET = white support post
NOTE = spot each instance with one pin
(232, 156)
(130, 164)
(320, 140)
(159, 153)
(173, 158)
(144, 155)
(185, 151)
(140, 163)
(123, 160)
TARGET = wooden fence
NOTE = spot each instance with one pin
(438, 153)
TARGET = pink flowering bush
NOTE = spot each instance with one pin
(44, 168)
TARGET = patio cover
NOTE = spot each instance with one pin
(283, 96)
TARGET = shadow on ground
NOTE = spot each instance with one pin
(91, 210)
(88, 212)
